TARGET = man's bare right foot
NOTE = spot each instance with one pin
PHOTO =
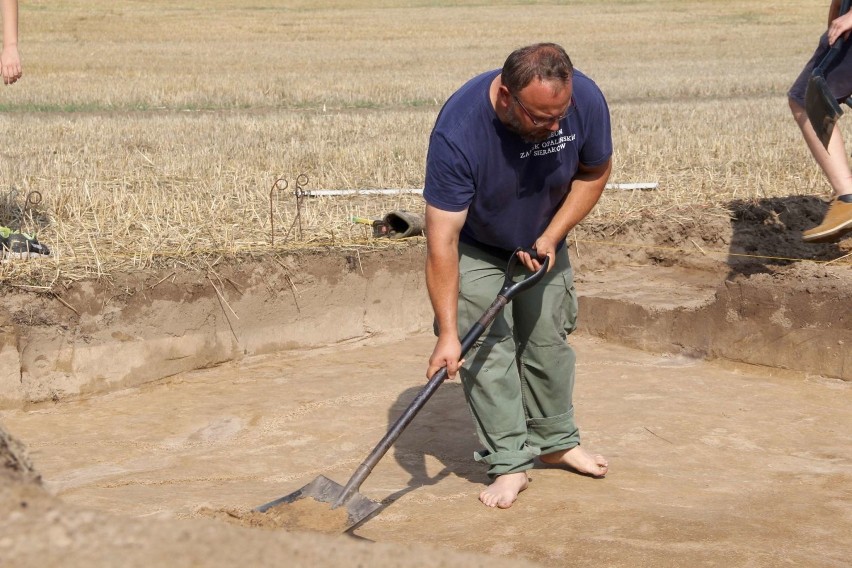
(504, 490)
(579, 460)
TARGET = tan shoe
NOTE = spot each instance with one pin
(837, 222)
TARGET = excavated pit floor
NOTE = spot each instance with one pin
(711, 464)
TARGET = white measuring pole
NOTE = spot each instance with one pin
(336, 192)
(632, 186)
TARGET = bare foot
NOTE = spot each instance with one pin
(578, 459)
(504, 490)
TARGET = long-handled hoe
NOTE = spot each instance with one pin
(358, 507)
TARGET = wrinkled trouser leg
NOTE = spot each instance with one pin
(519, 377)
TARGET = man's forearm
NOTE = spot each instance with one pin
(586, 190)
(442, 266)
(442, 282)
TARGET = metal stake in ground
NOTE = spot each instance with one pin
(275, 187)
(299, 192)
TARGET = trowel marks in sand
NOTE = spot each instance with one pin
(300, 515)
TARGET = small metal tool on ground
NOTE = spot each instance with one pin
(404, 224)
(397, 224)
(380, 228)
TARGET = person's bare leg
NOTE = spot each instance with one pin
(578, 459)
(504, 490)
(833, 160)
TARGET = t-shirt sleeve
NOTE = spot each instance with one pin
(597, 147)
(449, 182)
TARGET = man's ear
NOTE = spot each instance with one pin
(503, 96)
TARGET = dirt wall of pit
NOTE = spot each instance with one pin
(97, 336)
(798, 322)
(100, 336)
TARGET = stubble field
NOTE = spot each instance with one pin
(155, 132)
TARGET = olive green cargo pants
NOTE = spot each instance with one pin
(519, 376)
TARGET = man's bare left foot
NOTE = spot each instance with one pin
(578, 459)
(504, 490)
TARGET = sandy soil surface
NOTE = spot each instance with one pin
(710, 464)
(713, 461)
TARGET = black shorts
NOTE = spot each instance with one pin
(838, 75)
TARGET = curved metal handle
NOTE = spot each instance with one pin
(835, 48)
(819, 70)
(512, 288)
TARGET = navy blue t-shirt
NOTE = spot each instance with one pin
(511, 188)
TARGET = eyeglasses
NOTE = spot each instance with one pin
(549, 119)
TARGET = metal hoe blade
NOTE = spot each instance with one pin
(822, 108)
(324, 490)
(821, 105)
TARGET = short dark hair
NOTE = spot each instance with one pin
(542, 61)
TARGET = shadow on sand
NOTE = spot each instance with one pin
(440, 436)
